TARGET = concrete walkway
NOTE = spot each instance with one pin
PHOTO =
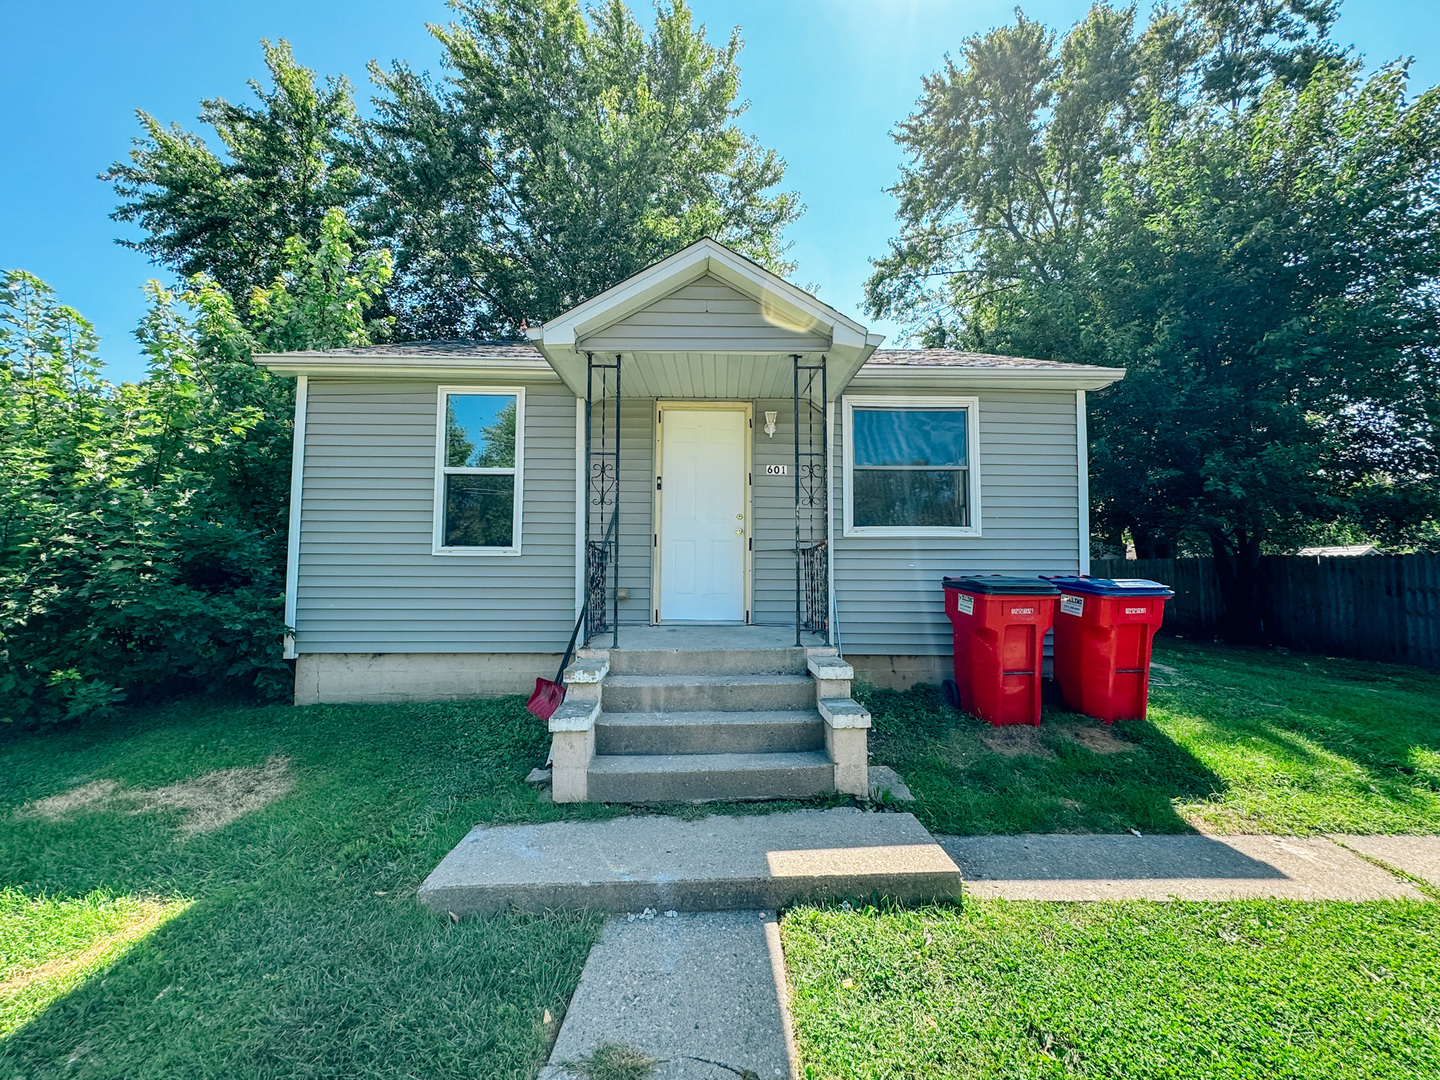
(698, 994)
(1191, 867)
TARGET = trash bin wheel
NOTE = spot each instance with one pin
(950, 693)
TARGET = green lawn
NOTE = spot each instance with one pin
(207, 890)
(302, 952)
(1005, 991)
(1237, 741)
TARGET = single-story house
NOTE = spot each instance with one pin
(708, 461)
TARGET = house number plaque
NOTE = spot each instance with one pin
(777, 470)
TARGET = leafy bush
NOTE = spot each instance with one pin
(142, 526)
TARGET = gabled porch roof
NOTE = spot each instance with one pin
(705, 322)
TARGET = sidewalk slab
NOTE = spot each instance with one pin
(1188, 867)
(1418, 856)
(678, 989)
(718, 863)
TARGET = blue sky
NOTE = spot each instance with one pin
(827, 80)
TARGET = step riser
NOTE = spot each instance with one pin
(735, 696)
(689, 787)
(728, 738)
(736, 894)
(712, 662)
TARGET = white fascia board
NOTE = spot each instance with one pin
(419, 367)
(844, 364)
(998, 378)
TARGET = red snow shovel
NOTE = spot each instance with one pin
(548, 695)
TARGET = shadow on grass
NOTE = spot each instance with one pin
(1071, 774)
(1238, 740)
(304, 952)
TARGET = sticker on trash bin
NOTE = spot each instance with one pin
(1137, 611)
(1072, 605)
(967, 603)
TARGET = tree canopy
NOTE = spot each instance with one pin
(1224, 204)
(284, 163)
(560, 151)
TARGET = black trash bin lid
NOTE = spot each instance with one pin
(1101, 586)
(1003, 586)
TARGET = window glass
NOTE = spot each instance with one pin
(897, 437)
(920, 498)
(480, 431)
(479, 510)
(910, 468)
(480, 466)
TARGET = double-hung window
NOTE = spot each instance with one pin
(910, 467)
(479, 470)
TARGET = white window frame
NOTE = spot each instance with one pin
(442, 470)
(970, 405)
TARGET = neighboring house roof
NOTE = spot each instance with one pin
(1339, 550)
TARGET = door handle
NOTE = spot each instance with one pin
(739, 532)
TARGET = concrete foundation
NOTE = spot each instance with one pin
(388, 678)
(901, 672)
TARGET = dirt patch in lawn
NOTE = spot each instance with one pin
(1098, 740)
(54, 807)
(1016, 740)
(208, 802)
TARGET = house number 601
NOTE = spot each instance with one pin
(777, 470)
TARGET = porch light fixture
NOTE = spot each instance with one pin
(770, 423)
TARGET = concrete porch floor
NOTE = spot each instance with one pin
(700, 637)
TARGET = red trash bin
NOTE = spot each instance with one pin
(1000, 625)
(1103, 634)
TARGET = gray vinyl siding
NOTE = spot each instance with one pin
(367, 580)
(637, 507)
(774, 507)
(705, 315)
(888, 593)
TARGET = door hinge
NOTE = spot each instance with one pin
(657, 483)
(750, 544)
(657, 614)
(659, 416)
(656, 537)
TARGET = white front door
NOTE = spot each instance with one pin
(703, 526)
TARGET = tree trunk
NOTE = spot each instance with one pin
(1242, 587)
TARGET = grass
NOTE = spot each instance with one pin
(49, 946)
(1237, 741)
(1156, 990)
(295, 946)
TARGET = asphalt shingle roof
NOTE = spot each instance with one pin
(926, 358)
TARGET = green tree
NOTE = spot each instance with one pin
(1241, 220)
(558, 157)
(143, 542)
(284, 163)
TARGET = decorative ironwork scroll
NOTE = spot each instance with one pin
(602, 498)
(812, 510)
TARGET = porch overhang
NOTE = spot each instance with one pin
(683, 366)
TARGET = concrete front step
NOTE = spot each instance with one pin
(709, 732)
(663, 778)
(692, 693)
(708, 661)
(719, 863)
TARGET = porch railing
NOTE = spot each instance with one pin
(602, 498)
(812, 504)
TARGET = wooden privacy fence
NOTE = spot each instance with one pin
(1371, 607)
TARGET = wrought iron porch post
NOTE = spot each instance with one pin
(812, 476)
(795, 363)
(615, 530)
